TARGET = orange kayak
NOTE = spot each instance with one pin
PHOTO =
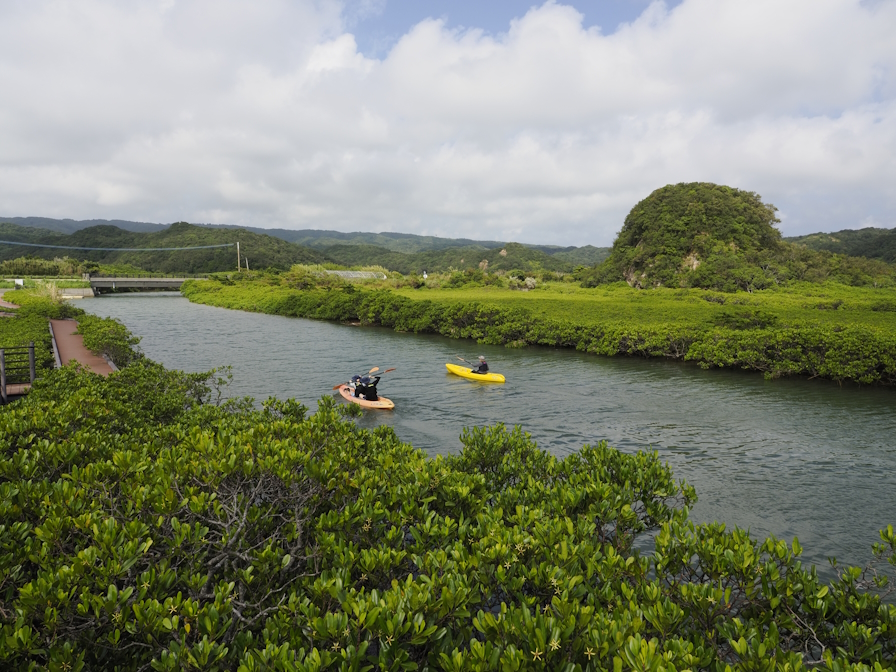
(382, 402)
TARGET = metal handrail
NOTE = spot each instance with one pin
(150, 275)
(15, 350)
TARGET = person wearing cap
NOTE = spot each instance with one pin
(482, 367)
(366, 388)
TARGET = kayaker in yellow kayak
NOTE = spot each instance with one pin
(482, 367)
(478, 371)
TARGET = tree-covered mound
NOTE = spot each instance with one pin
(716, 237)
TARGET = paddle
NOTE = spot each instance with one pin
(376, 368)
(465, 361)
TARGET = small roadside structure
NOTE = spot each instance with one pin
(358, 275)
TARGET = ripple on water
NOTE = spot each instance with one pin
(787, 457)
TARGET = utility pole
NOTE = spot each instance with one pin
(239, 263)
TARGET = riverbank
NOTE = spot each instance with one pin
(146, 526)
(827, 331)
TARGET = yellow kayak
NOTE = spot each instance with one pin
(467, 372)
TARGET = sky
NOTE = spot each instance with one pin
(518, 121)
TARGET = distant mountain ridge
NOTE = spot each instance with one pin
(69, 226)
(262, 250)
(406, 243)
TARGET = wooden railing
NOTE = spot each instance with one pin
(14, 362)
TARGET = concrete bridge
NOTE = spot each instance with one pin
(99, 284)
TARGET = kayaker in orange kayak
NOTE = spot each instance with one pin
(366, 388)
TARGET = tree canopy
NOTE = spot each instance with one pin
(706, 235)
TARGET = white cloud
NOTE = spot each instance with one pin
(266, 114)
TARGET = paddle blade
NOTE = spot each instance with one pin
(376, 368)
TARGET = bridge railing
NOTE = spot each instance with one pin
(140, 276)
(14, 362)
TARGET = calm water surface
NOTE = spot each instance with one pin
(787, 457)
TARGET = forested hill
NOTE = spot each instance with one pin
(265, 251)
(512, 256)
(717, 237)
(406, 243)
(868, 242)
(262, 251)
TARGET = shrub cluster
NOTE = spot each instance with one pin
(23, 266)
(143, 528)
(747, 340)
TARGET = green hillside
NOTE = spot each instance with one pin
(588, 255)
(262, 251)
(511, 256)
(268, 251)
(406, 243)
(868, 242)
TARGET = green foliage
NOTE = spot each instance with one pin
(720, 238)
(25, 266)
(141, 528)
(779, 332)
(106, 336)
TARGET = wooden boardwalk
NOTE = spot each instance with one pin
(69, 347)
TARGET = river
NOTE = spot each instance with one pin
(789, 457)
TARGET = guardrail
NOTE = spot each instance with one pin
(13, 361)
(135, 276)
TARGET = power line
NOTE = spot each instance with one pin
(118, 249)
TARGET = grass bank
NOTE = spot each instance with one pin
(829, 331)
